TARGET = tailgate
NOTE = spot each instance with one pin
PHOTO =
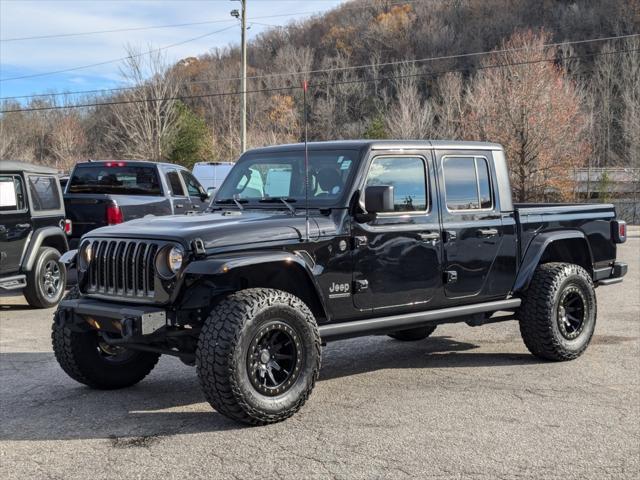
(86, 212)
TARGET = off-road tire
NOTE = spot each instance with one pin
(540, 313)
(413, 334)
(224, 349)
(34, 291)
(79, 356)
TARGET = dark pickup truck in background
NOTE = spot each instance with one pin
(100, 193)
(398, 237)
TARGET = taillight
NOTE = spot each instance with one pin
(619, 231)
(68, 227)
(114, 214)
(115, 164)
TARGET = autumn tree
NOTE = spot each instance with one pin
(535, 112)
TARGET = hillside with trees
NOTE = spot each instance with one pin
(378, 69)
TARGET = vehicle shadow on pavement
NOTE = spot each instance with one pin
(354, 357)
(39, 402)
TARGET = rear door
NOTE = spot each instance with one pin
(15, 222)
(196, 192)
(471, 221)
(179, 199)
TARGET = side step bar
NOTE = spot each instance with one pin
(393, 323)
(13, 283)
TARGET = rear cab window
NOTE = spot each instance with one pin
(467, 183)
(118, 178)
(44, 192)
(12, 197)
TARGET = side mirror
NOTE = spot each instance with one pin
(378, 199)
(206, 195)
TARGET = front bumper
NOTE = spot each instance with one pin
(128, 320)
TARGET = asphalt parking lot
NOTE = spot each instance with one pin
(466, 403)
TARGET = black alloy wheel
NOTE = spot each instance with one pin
(274, 357)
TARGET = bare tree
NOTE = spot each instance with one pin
(145, 123)
(629, 87)
(67, 141)
(411, 116)
(450, 106)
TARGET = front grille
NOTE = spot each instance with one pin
(122, 268)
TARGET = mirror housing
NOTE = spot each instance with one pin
(378, 199)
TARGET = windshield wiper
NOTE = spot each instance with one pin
(237, 201)
(284, 200)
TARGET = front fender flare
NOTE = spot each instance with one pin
(227, 263)
(536, 250)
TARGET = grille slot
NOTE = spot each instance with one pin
(123, 268)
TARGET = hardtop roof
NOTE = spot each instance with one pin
(18, 166)
(384, 145)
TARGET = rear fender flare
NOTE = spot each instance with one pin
(37, 239)
(536, 250)
(219, 267)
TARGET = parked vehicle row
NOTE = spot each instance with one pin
(38, 221)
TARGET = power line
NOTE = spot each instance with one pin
(350, 67)
(178, 25)
(315, 85)
(81, 67)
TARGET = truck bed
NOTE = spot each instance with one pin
(593, 220)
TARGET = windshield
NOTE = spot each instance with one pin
(115, 179)
(264, 176)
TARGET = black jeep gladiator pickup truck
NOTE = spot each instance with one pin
(100, 193)
(398, 237)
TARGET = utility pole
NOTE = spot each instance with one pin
(243, 81)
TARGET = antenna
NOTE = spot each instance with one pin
(305, 86)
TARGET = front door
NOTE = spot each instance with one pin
(397, 256)
(471, 222)
(196, 192)
(15, 223)
(179, 199)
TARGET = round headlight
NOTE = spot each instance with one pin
(87, 254)
(175, 258)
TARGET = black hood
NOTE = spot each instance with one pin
(222, 229)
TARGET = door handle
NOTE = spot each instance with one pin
(23, 225)
(429, 236)
(487, 232)
(179, 205)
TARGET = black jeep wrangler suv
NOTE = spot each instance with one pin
(32, 233)
(306, 244)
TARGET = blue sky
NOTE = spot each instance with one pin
(25, 18)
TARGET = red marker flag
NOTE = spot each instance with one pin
(305, 85)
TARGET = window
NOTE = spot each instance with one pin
(193, 186)
(466, 182)
(174, 183)
(408, 177)
(116, 178)
(264, 175)
(45, 193)
(11, 194)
